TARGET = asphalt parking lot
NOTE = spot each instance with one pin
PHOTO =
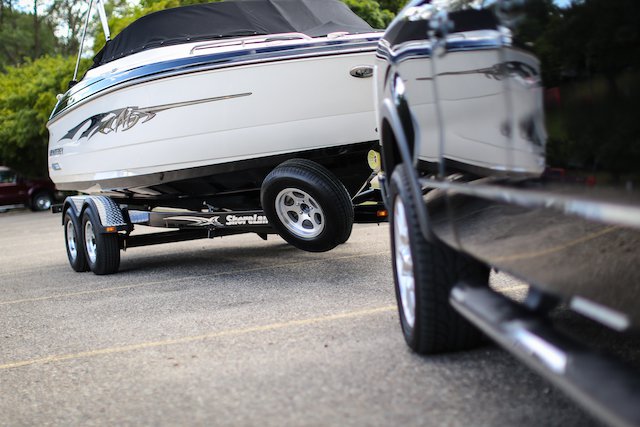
(237, 331)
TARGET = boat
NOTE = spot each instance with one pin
(198, 104)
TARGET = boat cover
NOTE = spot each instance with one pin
(231, 18)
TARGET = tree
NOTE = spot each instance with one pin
(27, 96)
(36, 30)
(23, 35)
(66, 18)
(392, 6)
(370, 11)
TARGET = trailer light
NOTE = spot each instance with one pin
(110, 229)
(382, 213)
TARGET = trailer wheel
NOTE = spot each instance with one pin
(101, 249)
(424, 273)
(307, 205)
(73, 241)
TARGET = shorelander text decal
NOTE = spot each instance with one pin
(218, 221)
(247, 220)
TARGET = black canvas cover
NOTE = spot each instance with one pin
(231, 18)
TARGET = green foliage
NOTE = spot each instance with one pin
(393, 6)
(27, 96)
(370, 11)
(18, 41)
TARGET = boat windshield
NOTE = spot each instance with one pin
(231, 18)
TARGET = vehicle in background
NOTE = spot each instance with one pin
(18, 191)
(466, 137)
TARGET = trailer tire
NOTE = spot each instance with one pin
(74, 243)
(307, 205)
(102, 250)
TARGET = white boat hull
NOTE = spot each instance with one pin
(119, 139)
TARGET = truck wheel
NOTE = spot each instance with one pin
(424, 273)
(101, 249)
(307, 205)
(41, 201)
(73, 242)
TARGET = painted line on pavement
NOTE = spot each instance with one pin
(178, 279)
(195, 338)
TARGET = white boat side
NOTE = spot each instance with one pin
(212, 116)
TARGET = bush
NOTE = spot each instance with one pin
(27, 96)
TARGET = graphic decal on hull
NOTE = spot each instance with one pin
(195, 221)
(123, 119)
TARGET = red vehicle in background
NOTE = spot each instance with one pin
(18, 191)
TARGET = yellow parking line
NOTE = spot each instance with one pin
(186, 340)
(159, 282)
(96, 291)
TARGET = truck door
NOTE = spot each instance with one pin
(13, 190)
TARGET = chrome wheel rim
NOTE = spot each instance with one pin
(300, 213)
(72, 245)
(404, 262)
(90, 241)
(43, 203)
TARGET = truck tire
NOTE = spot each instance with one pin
(307, 205)
(102, 250)
(73, 242)
(424, 274)
(41, 201)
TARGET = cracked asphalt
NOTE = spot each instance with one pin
(239, 332)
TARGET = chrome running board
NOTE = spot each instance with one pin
(602, 385)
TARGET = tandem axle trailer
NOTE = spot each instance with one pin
(97, 228)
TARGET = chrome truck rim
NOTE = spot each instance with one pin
(300, 213)
(404, 263)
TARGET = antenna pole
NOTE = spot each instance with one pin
(103, 19)
(84, 34)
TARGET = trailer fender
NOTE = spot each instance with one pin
(108, 212)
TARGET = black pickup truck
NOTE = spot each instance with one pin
(510, 140)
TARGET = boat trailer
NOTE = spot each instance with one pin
(112, 225)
